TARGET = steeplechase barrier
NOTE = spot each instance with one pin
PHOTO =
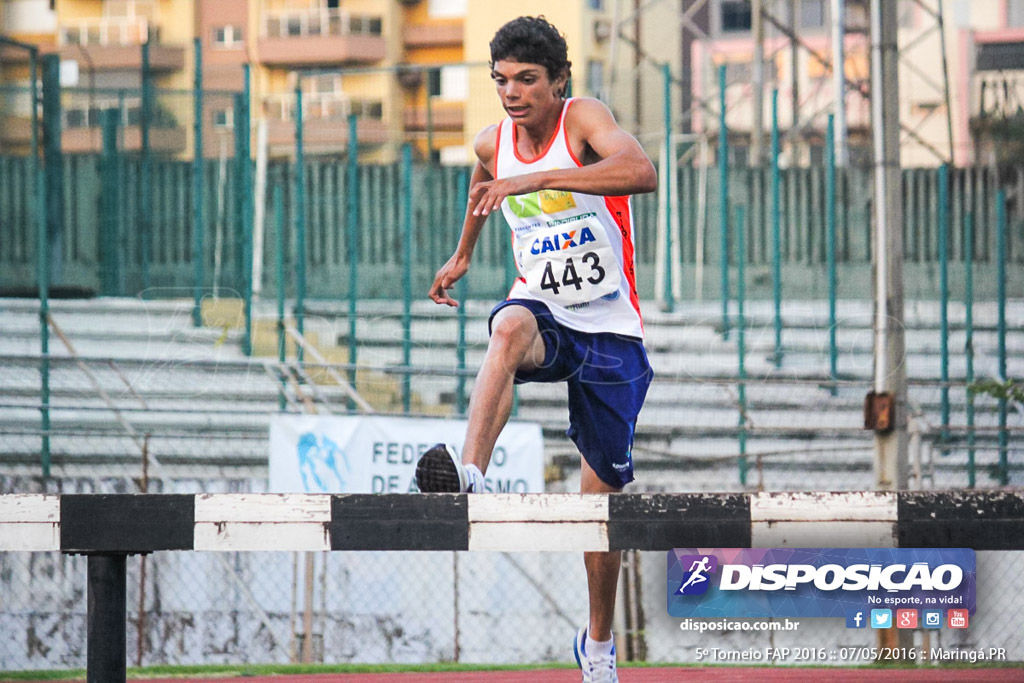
(108, 528)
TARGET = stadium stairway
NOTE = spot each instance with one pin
(205, 406)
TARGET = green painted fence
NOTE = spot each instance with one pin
(103, 219)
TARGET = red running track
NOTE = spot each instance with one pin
(649, 675)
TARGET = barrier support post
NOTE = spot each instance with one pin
(106, 620)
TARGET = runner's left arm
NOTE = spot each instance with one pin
(620, 167)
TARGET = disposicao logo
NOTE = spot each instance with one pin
(697, 580)
(818, 582)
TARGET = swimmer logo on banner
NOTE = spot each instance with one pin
(818, 582)
(378, 454)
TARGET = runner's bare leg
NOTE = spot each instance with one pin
(602, 568)
(515, 344)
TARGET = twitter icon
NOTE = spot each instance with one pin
(881, 618)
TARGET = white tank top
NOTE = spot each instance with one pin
(574, 251)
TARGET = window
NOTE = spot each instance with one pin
(366, 25)
(322, 84)
(227, 37)
(735, 16)
(223, 118)
(368, 109)
(1015, 12)
(596, 4)
(446, 9)
(906, 13)
(595, 77)
(454, 83)
(812, 13)
(433, 83)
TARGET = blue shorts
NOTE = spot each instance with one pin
(607, 375)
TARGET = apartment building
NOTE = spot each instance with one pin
(981, 45)
(409, 69)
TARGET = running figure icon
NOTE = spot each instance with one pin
(697, 569)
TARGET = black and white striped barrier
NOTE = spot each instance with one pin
(131, 524)
(108, 528)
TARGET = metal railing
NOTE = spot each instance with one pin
(107, 31)
(318, 22)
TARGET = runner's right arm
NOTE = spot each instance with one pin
(458, 264)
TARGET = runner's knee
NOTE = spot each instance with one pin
(514, 335)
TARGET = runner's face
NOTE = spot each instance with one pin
(526, 92)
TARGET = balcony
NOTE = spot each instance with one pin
(297, 38)
(116, 44)
(325, 121)
(444, 117)
(449, 34)
(82, 132)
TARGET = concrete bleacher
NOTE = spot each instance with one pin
(206, 406)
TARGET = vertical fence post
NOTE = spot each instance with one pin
(969, 343)
(43, 278)
(109, 200)
(830, 229)
(461, 194)
(1004, 436)
(48, 185)
(723, 196)
(125, 252)
(406, 276)
(776, 231)
(300, 221)
(741, 293)
(145, 201)
(246, 206)
(668, 168)
(352, 224)
(53, 158)
(944, 296)
(197, 185)
(279, 273)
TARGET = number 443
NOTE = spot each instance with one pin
(570, 278)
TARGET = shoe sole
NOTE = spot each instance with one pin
(436, 473)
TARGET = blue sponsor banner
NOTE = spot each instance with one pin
(817, 582)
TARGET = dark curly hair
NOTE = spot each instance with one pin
(532, 40)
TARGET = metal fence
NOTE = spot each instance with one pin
(156, 194)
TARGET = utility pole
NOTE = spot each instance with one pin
(890, 376)
(886, 405)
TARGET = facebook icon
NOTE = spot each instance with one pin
(856, 619)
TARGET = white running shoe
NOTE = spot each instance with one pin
(441, 471)
(596, 668)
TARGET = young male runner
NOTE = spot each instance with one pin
(561, 171)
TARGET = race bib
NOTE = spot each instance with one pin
(570, 264)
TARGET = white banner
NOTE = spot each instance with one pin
(378, 454)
